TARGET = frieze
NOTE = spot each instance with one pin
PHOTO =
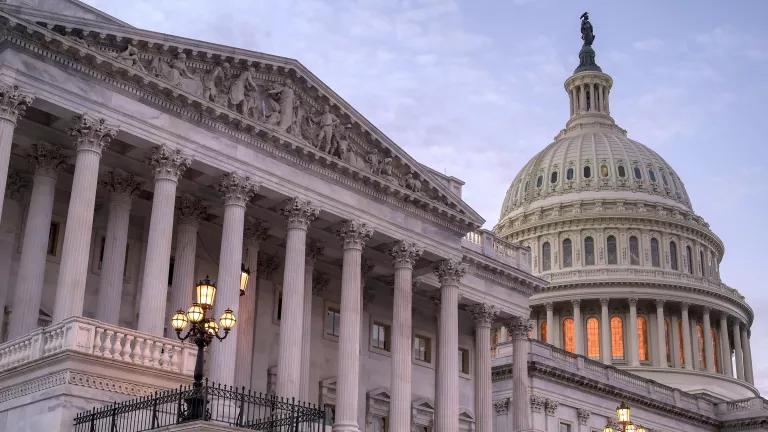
(253, 101)
(501, 406)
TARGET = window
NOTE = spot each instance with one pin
(634, 251)
(610, 246)
(464, 361)
(380, 336)
(673, 255)
(617, 338)
(603, 170)
(543, 331)
(539, 181)
(642, 338)
(652, 175)
(422, 349)
(689, 257)
(569, 174)
(53, 239)
(715, 349)
(565, 427)
(546, 257)
(567, 253)
(332, 321)
(638, 173)
(553, 177)
(622, 171)
(587, 171)
(589, 251)
(667, 340)
(593, 338)
(655, 253)
(702, 263)
(700, 339)
(569, 340)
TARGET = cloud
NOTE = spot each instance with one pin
(648, 44)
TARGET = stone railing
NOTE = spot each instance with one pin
(756, 406)
(97, 339)
(487, 243)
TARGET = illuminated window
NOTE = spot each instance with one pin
(567, 253)
(610, 246)
(634, 251)
(569, 341)
(593, 338)
(715, 349)
(655, 261)
(546, 257)
(642, 338)
(673, 255)
(680, 343)
(689, 256)
(589, 251)
(667, 340)
(617, 338)
(543, 331)
(700, 339)
(603, 170)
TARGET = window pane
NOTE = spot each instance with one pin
(567, 253)
(611, 249)
(638, 173)
(642, 338)
(569, 341)
(546, 257)
(587, 171)
(569, 174)
(543, 332)
(603, 170)
(634, 251)
(702, 263)
(593, 338)
(673, 255)
(617, 338)
(689, 256)
(655, 261)
(539, 181)
(652, 175)
(622, 171)
(553, 177)
(332, 322)
(589, 251)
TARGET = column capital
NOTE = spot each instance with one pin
(255, 231)
(450, 271)
(354, 234)
(299, 213)
(237, 189)
(519, 327)
(705, 310)
(267, 265)
(48, 158)
(13, 102)
(576, 303)
(483, 314)
(633, 301)
(604, 301)
(405, 254)
(684, 306)
(121, 182)
(191, 210)
(168, 163)
(15, 184)
(660, 303)
(91, 133)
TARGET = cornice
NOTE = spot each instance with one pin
(425, 197)
(508, 276)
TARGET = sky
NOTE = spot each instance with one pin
(475, 88)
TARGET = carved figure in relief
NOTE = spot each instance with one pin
(210, 91)
(374, 162)
(287, 98)
(327, 121)
(343, 145)
(412, 183)
(237, 91)
(271, 111)
(386, 167)
(176, 74)
(130, 57)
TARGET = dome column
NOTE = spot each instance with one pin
(550, 339)
(674, 322)
(687, 351)
(634, 359)
(709, 350)
(747, 356)
(661, 336)
(737, 347)
(578, 329)
(725, 346)
(605, 331)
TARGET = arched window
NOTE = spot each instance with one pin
(603, 170)
(668, 340)
(715, 349)
(546, 257)
(553, 177)
(569, 340)
(617, 338)
(702, 264)
(642, 338)
(610, 246)
(543, 331)
(593, 338)
(622, 171)
(673, 255)
(634, 251)
(567, 253)
(689, 256)
(700, 339)
(638, 173)
(652, 175)
(539, 181)
(655, 261)
(587, 171)
(589, 251)
(569, 174)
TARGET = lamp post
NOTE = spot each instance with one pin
(623, 421)
(202, 331)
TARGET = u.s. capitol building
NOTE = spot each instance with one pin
(134, 164)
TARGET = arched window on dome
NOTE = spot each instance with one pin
(634, 251)
(603, 171)
(539, 181)
(673, 255)
(617, 338)
(702, 264)
(622, 171)
(546, 257)
(589, 251)
(569, 174)
(543, 332)
(567, 253)
(553, 177)
(593, 338)
(587, 171)
(715, 349)
(638, 173)
(652, 175)
(668, 341)
(701, 356)
(569, 339)
(689, 257)
(611, 252)
(642, 338)
(655, 260)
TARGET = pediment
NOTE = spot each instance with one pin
(260, 99)
(61, 10)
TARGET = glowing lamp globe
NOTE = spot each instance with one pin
(245, 274)
(179, 320)
(227, 320)
(630, 428)
(623, 413)
(205, 293)
(608, 428)
(211, 327)
(195, 313)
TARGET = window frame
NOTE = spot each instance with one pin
(637, 254)
(335, 307)
(642, 338)
(655, 253)
(588, 339)
(589, 251)
(564, 332)
(608, 250)
(387, 326)
(429, 349)
(570, 253)
(546, 256)
(465, 353)
(622, 338)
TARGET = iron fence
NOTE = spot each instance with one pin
(209, 402)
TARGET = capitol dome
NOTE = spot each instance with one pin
(633, 272)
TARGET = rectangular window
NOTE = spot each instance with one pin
(380, 336)
(422, 349)
(332, 321)
(280, 306)
(464, 361)
(565, 427)
(53, 239)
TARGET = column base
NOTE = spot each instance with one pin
(346, 427)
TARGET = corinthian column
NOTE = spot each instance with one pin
(314, 251)
(13, 105)
(738, 348)
(748, 375)
(709, 349)
(122, 187)
(518, 330)
(661, 335)
(687, 349)
(449, 273)
(634, 358)
(300, 214)
(483, 314)
(353, 235)
(91, 138)
(190, 212)
(255, 233)
(29, 284)
(168, 165)
(404, 254)
(725, 346)
(551, 339)
(578, 327)
(605, 332)
(237, 190)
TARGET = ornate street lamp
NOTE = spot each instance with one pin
(245, 273)
(623, 421)
(202, 331)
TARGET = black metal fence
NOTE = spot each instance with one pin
(211, 402)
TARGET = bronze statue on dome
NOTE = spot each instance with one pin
(586, 30)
